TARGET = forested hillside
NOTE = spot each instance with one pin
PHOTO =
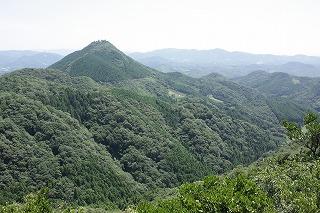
(302, 90)
(286, 181)
(45, 147)
(102, 62)
(106, 130)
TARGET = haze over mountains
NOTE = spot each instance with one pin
(16, 59)
(198, 63)
(195, 63)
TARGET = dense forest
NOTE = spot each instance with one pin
(99, 130)
(287, 181)
(302, 90)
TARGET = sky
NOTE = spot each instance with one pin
(257, 26)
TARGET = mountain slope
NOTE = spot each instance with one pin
(302, 90)
(132, 130)
(44, 147)
(279, 84)
(283, 182)
(115, 115)
(154, 131)
(102, 62)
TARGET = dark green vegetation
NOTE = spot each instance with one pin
(288, 181)
(109, 142)
(102, 62)
(41, 146)
(302, 90)
(285, 182)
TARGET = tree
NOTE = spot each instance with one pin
(215, 194)
(33, 203)
(307, 135)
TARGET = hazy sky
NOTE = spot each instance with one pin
(258, 26)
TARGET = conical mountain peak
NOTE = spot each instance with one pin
(102, 61)
(100, 45)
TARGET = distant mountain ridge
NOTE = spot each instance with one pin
(16, 59)
(220, 56)
(198, 63)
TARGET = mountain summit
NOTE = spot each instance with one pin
(102, 61)
(100, 44)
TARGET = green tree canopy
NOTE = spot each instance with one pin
(307, 135)
(215, 194)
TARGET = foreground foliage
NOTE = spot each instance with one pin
(33, 203)
(215, 194)
(291, 180)
(286, 182)
(38, 202)
(308, 135)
